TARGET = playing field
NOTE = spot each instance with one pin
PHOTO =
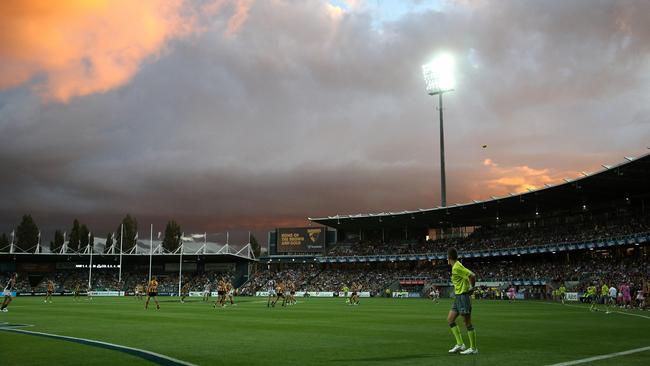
(314, 332)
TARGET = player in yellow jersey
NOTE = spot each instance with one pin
(463, 280)
(152, 292)
(591, 297)
(345, 291)
(604, 296)
(562, 292)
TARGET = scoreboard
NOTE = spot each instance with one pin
(301, 240)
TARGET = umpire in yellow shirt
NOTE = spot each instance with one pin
(463, 280)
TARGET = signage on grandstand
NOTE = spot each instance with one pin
(301, 240)
(411, 282)
(98, 266)
(571, 296)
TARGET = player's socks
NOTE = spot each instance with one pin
(456, 332)
(471, 334)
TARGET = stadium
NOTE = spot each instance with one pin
(593, 230)
(266, 161)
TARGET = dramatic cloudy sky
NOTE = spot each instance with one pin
(237, 114)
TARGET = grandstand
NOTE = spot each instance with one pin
(594, 227)
(118, 272)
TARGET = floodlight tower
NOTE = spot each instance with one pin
(439, 79)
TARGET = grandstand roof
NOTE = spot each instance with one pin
(622, 182)
(142, 248)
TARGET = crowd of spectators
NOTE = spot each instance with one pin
(581, 272)
(67, 281)
(498, 237)
(634, 271)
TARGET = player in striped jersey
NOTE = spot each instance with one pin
(152, 292)
(50, 291)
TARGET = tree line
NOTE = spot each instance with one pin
(26, 235)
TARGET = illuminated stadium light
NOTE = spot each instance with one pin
(438, 79)
(439, 74)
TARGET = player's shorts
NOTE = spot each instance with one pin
(627, 298)
(462, 304)
(280, 294)
(152, 294)
(49, 292)
(271, 292)
(221, 293)
(292, 293)
(6, 293)
(354, 293)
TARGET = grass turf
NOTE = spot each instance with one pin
(318, 332)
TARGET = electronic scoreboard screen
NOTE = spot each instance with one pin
(301, 240)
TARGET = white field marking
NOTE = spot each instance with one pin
(2, 324)
(631, 314)
(611, 311)
(602, 357)
(103, 343)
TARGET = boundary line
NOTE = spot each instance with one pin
(154, 357)
(602, 357)
(611, 311)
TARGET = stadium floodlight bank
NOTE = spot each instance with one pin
(439, 75)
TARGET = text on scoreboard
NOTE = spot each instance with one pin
(301, 240)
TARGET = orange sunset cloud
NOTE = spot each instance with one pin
(74, 48)
(515, 179)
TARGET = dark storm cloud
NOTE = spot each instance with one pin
(303, 112)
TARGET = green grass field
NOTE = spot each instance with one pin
(317, 332)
